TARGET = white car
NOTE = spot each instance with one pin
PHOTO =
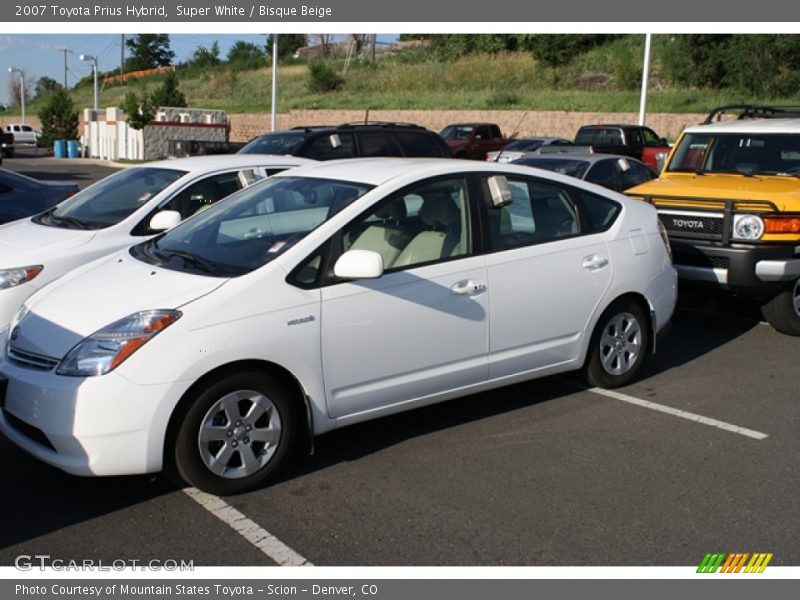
(116, 212)
(327, 295)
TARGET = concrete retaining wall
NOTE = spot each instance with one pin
(552, 123)
(244, 127)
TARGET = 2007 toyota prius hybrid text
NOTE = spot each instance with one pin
(325, 296)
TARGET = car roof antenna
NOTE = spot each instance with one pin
(512, 136)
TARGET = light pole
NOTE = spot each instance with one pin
(93, 59)
(13, 70)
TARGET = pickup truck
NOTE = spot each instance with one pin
(636, 141)
(23, 135)
(728, 200)
(473, 140)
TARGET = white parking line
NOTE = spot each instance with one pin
(756, 435)
(259, 537)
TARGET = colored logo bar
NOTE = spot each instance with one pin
(734, 562)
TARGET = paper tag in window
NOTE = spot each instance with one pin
(276, 247)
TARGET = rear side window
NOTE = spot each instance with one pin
(331, 146)
(604, 173)
(599, 212)
(420, 144)
(378, 143)
(538, 212)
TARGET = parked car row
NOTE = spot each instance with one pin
(329, 293)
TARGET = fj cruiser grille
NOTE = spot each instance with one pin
(697, 225)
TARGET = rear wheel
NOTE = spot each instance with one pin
(235, 434)
(618, 346)
(783, 310)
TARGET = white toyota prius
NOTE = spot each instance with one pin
(117, 211)
(324, 296)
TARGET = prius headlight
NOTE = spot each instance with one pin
(13, 277)
(106, 349)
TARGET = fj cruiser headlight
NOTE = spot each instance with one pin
(747, 227)
(13, 277)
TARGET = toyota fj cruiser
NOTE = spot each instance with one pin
(729, 198)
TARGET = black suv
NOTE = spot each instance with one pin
(351, 140)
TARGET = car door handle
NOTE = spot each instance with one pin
(468, 287)
(594, 262)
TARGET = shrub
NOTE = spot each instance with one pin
(324, 75)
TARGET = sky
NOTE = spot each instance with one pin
(39, 55)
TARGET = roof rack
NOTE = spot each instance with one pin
(380, 124)
(753, 111)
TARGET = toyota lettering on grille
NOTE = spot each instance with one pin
(688, 224)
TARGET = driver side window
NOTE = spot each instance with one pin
(423, 224)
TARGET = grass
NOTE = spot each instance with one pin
(606, 81)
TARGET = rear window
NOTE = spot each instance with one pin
(598, 135)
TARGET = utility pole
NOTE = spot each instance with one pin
(274, 112)
(122, 59)
(65, 50)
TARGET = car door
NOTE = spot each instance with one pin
(547, 271)
(420, 329)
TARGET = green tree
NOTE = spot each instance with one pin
(763, 64)
(697, 60)
(46, 85)
(288, 43)
(148, 50)
(557, 50)
(206, 57)
(168, 94)
(139, 110)
(244, 55)
(59, 118)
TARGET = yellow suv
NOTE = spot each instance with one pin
(729, 199)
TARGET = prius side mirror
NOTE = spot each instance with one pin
(165, 219)
(359, 264)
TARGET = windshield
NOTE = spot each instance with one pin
(275, 143)
(110, 200)
(738, 153)
(250, 228)
(566, 166)
(457, 132)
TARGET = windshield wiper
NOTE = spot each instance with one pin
(188, 258)
(72, 222)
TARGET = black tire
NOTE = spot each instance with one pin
(250, 426)
(618, 346)
(783, 311)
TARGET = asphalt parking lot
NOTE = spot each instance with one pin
(698, 455)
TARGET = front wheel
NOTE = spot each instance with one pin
(783, 310)
(235, 434)
(618, 346)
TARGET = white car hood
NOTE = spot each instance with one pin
(88, 299)
(23, 243)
